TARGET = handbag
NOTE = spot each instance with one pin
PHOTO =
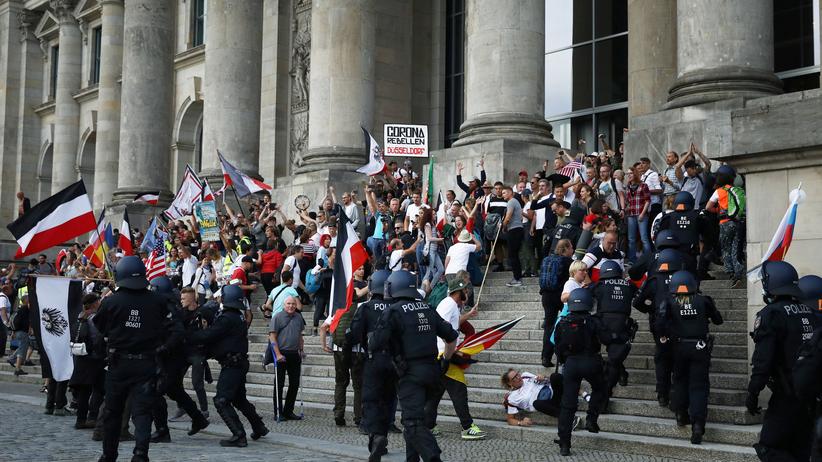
(78, 348)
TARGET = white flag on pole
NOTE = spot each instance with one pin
(56, 303)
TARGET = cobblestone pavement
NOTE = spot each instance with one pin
(29, 435)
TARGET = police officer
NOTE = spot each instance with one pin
(579, 337)
(688, 227)
(137, 325)
(379, 389)
(613, 295)
(227, 340)
(647, 263)
(779, 330)
(653, 291)
(409, 329)
(174, 368)
(811, 287)
(683, 318)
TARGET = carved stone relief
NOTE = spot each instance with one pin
(300, 72)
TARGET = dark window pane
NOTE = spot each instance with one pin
(97, 35)
(611, 17)
(567, 22)
(612, 71)
(454, 69)
(582, 128)
(198, 23)
(55, 55)
(793, 34)
(612, 125)
(801, 83)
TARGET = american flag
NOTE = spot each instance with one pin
(570, 169)
(156, 263)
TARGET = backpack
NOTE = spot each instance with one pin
(18, 319)
(438, 294)
(549, 277)
(313, 282)
(492, 222)
(736, 203)
(806, 369)
(572, 337)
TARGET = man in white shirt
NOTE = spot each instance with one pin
(292, 263)
(189, 266)
(532, 393)
(412, 211)
(457, 257)
(449, 310)
(651, 179)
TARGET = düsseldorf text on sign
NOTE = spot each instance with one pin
(406, 140)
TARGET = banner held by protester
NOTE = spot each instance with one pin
(55, 303)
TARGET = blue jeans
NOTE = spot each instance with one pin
(637, 226)
(435, 268)
(22, 338)
(376, 245)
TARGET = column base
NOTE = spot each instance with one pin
(720, 84)
(315, 185)
(332, 158)
(125, 196)
(506, 125)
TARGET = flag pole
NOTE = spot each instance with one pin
(239, 204)
(487, 265)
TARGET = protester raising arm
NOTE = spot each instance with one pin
(706, 162)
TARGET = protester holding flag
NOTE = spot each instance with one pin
(729, 202)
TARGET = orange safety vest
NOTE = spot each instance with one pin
(722, 194)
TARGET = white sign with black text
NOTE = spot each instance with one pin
(402, 140)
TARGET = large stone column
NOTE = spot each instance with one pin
(505, 72)
(725, 50)
(342, 83)
(147, 95)
(66, 110)
(10, 51)
(233, 60)
(108, 102)
(652, 55)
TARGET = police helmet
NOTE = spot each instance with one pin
(683, 283)
(233, 297)
(811, 286)
(580, 300)
(376, 284)
(401, 284)
(161, 285)
(666, 239)
(669, 261)
(683, 201)
(610, 270)
(780, 278)
(130, 273)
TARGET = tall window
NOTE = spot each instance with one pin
(55, 53)
(97, 38)
(586, 70)
(198, 22)
(796, 43)
(454, 69)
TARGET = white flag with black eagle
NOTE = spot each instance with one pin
(55, 303)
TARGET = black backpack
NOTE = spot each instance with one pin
(807, 368)
(572, 337)
(492, 222)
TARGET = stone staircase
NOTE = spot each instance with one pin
(635, 422)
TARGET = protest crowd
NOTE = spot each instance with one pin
(600, 238)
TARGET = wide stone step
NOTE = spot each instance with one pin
(723, 301)
(671, 444)
(720, 351)
(740, 326)
(500, 282)
(721, 338)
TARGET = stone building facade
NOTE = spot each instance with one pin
(125, 93)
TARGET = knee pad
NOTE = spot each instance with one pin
(220, 402)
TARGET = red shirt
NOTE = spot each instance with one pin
(637, 196)
(239, 277)
(272, 260)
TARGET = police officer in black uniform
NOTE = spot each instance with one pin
(811, 287)
(647, 263)
(571, 229)
(227, 341)
(579, 337)
(613, 295)
(687, 225)
(137, 326)
(174, 368)
(409, 329)
(779, 330)
(653, 291)
(379, 389)
(683, 319)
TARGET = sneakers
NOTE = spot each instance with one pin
(514, 283)
(436, 430)
(737, 283)
(177, 415)
(473, 433)
(20, 372)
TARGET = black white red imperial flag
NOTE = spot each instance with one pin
(59, 218)
(55, 304)
(351, 255)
